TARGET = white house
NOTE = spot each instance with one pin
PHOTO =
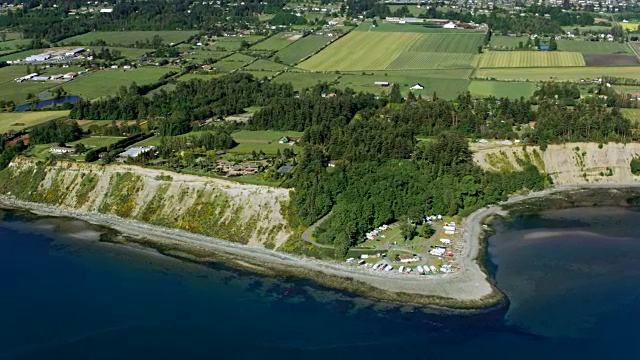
(417, 87)
(408, 258)
(449, 25)
(437, 251)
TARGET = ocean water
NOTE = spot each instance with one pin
(571, 277)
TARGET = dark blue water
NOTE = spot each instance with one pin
(65, 295)
(50, 102)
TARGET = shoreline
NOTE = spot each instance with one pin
(469, 289)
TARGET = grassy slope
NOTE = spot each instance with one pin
(107, 82)
(27, 118)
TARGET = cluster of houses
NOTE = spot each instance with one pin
(376, 233)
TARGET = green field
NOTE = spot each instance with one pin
(632, 114)
(129, 37)
(258, 74)
(413, 9)
(558, 74)
(302, 48)
(205, 77)
(529, 59)
(266, 135)
(507, 42)
(107, 82)
(361, 50)
(262, 64)
(276, 42)
(431, 60)
(20, 55)
(97, 141)
(267, 141)
(301, 80)
(22, 120)
(593, 47)
(501, 89)
(415, 28)
(233, 43)
(448, 89)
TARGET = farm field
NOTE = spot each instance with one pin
(258, 74)
(129, 37)
(558, 74)
(276, 42)
(529, 59)
(22, 120)
(265, 136)
(302, 48)
(632, 26)
(205, 77)
(262, 64)
(107, 82)
(501, 89)
(129, 53)
(508, 42)
(96, 141)
(232, 43)
(610, 60)
(301, 80)
(445, 89)
(431, 60)
(594, 47)
(18, 92)
(413, 9)
(416, 28)
(362, 50)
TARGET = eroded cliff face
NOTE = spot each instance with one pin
(248, 214)
(568, 164)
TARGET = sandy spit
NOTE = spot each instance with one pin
(470, 285)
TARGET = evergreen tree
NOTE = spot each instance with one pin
(395, 96)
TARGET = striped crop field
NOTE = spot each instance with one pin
(360, 50)
(407, 60)
(530, 59)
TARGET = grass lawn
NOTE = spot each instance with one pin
(558, 74)
(23, 120)
(301, 80)
(107, 82)
(302, 48)
(96, 141)
(130, 37)
(502, 89)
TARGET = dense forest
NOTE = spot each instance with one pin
(395, 158)
(40, 20)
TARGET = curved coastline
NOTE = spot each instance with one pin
(469, 289)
